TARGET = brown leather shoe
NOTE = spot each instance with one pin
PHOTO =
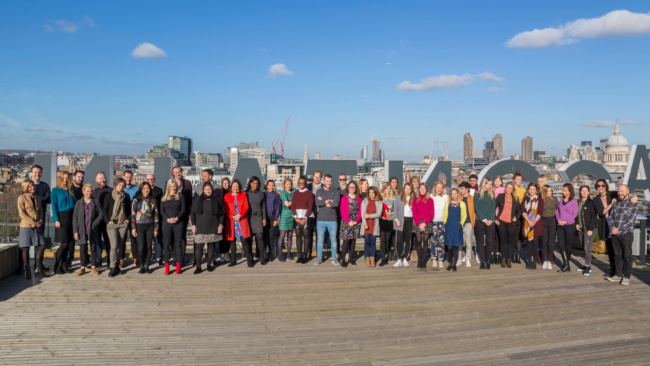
(509, 263)
(367, 262)
(135, 262)
(94, 271)
(503, 263)
(81, 271)
(121, 263)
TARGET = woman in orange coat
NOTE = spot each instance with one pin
(236, 206)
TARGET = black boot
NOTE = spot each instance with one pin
(566, 267)
(28, 272)
(450, 266)
(487, 265)
(299, 261)
(344, 263)
(353, 260)
(198, 270)
(515, 257)
(453, 267)
(64, 267)
(482, 265)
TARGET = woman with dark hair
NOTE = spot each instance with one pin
(86, 218)
(207, 225)
(302, 205)
(549, 226)
(603, 204)
(371, 210)
(586, 223)
(286, 219)
(272, 217)
(394, 185)
(256, 215)
(173, 210)
(235, 207)
(531, 208)
(144, 221)
(567, 210)
(31, 222)
(509, 213)
(62, 199)
(224, 246)
(116, 212)
(350, 218)
(520, 192)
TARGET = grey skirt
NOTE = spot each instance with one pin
(207, 238)
(30, 237)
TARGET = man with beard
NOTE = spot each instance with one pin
(103, 242)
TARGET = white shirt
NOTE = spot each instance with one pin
(439, 207)
(408, 210)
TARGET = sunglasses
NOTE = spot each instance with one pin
(600, 185)
(341, 180)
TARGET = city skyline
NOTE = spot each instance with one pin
(85, 74)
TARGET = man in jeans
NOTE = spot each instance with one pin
(327, 201)
(131, 190)
(622, 217)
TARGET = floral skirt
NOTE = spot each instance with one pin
(437, 240)
(347, 232)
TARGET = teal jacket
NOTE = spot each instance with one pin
(61, 201)
(485, 207)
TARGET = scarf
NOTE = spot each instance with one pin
(531, 208)
(216, 208)
(118, 216)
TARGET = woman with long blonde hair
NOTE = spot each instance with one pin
(437, 238)
(485, 208)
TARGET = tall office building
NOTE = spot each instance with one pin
(468, 146)
(527, 149)
(183, 146)
(364, 153)
(497, 140)
(375, 149)
(318, 156)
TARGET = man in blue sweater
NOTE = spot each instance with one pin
(131, 190)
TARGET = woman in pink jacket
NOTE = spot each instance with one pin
(423, 211)
(350, 218)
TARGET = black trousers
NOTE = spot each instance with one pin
(484, 239)
(422, 245)
(104, 244)
(83, 253)
(311, 228)
(507, 238)
(259, 241)
(610, 256)
(403, 239)
(269, 238)
(348, 246)
(386, 236)
(549, 230)
(565, 237)
(173, 237)
(532, 247)
(144, 239)
(622, 246)
(135, 253)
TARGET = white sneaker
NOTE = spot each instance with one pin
(549, 265)
(405, 263)
(441, 264)
(468, 263)
(459, 262)
(398, 263)
(434, 263)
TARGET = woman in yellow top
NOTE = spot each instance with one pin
(454, 219)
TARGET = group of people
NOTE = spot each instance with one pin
(441, 225)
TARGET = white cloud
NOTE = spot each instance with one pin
(279, 69)
(89, 21)
(148, 50)
(615, 23)
(447, 81)
(495, 89)
(600, 123)
(60, 25)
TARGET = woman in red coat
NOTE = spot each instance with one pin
(236, 206)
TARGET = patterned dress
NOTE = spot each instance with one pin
(237, 224)
(286, 216)
(347, 232)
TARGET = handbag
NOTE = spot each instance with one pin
(390, 215)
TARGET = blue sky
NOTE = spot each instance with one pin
(406, 73)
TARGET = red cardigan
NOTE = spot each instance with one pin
(229, 206)
(302, 200)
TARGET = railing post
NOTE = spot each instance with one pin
(642, 243)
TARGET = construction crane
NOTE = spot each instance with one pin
(283, 136)
(444, 152)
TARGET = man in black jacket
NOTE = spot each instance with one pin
(103, 243)
(158, 240)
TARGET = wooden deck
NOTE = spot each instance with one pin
(285, 313)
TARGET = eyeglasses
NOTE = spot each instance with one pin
(600, 185)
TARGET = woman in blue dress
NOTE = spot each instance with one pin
(454, 219)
